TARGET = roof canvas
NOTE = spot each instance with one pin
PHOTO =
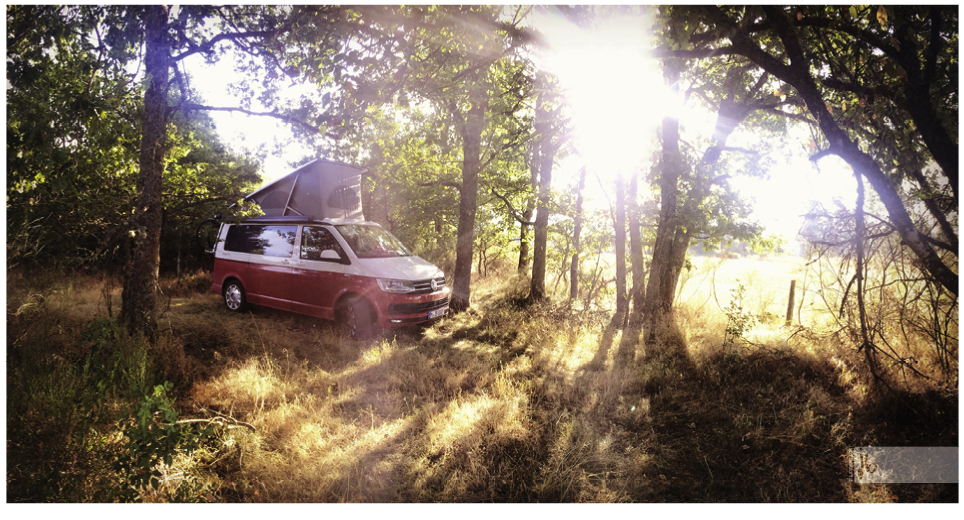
(318, 189)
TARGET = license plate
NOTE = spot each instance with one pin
(438, 312)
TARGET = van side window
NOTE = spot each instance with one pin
(315, 240)
(261, 240)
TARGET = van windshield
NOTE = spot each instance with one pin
(372, 241)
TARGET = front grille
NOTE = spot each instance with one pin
(416, 308)
(425, 286)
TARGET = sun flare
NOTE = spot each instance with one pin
(614, 87)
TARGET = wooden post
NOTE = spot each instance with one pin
(793, 285)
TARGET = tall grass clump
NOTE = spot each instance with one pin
(904, 325)
(73, 382)
(509, 401)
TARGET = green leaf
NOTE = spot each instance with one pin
(882, 15)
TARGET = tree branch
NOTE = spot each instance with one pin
(692, 54)
(738, 149)
(225, 198)
(448, 184)
(229, 422)
(512, 211)
(798, 75)
(276, 115)
(208, 46)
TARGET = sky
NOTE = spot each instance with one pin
(239, 131)
(618, 99)
(612, 60)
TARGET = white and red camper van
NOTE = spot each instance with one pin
(313, 253)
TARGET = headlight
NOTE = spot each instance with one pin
(390, 285)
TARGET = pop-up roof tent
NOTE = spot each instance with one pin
(319, 189)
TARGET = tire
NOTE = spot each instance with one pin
(234, 298)
(357, 318)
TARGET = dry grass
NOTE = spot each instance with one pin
(512, 403)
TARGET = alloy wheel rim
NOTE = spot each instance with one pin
(233, 297)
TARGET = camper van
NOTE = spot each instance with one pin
(313, 253)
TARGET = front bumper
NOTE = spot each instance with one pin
(401, 310)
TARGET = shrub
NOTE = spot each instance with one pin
(738, 319)
(153, 437)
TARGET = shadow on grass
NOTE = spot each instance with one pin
(512, 403)
(433, 420)
(605, 343)
(775, 426)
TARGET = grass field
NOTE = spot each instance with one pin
(503, 403)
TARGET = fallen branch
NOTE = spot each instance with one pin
(227, 422)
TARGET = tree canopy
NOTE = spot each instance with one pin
(874, 83)
(112, 156)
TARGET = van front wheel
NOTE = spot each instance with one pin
(357, 318)
(234, 297)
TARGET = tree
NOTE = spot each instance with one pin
(201, 176)
(661, 283)
(168, 38)
(696, 202)
(454, 58)
(412, 186)
(71, 137)
(577, 238)
(140, 282)
(634, 217)
(73, 145)
(255, 32)
(513, 184)
(460, 62)
(549, 128)
(904, 69)
(878, 88)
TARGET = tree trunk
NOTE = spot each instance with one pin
(140, 283)
(667, 292)
(468, 202)
(656, 306)
(541, 232)
(797, 74)
(524, 239)
(620, 224)
(439, 243)
(525, 244)
(576, 237)
(673, 236)
(636, 246)
(542, 159)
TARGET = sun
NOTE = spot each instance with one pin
(612, 84)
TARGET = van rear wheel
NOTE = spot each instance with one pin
(357, 318)
(234, 298)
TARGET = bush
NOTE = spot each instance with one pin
(153, 437)
(68, 378)
(738, 320)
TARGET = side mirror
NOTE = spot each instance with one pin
(207, 234)
(329, 254)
